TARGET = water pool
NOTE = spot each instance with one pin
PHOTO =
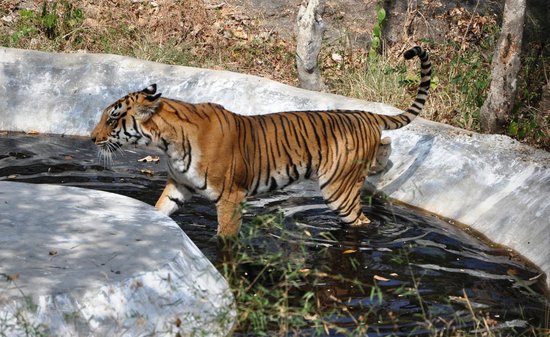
(408, 273)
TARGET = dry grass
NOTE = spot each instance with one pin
(218, 36)
(184, 32)
(457, 86)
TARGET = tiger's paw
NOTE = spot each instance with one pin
(363, 221)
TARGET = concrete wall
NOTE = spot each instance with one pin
(491, 183)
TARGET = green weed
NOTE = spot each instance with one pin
(21, 322)
(275, 287)
(278, 292)
(53, 26)
(376, 38)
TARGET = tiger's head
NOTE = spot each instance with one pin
(121, 122)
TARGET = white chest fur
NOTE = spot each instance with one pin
(183, 168)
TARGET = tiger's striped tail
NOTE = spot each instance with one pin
(396, 122)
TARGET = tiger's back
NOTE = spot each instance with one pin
(291, 146)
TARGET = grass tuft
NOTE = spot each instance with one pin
(279, 291)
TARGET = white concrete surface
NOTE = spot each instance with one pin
(491, 183)
(65, 93)
(78, 262)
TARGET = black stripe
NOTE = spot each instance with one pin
(273, 185)
(222, 128)
(164, 144)
(190, 188)
(425, 84)
(270, 155)
(304, 146)
(420, 100)
(276, 133)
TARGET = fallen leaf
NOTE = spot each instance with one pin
(349, 251)
(336, 57)
(13, 277)
(141, 321)
(149, 159)
(512, 271)
(147, 172)
(489, 321)
(307, 233)
(240, 33)
(457, 298)
(381, 278)
(310, 317)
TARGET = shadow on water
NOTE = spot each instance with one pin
(405, 268)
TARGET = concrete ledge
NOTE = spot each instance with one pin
(491, 183)
(90, 263)
(65, 93)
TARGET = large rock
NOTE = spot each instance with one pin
(78, 262)
(491, 183)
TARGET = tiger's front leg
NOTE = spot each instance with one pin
(229, 209)
(172, 197)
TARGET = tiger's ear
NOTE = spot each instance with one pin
(152, 98)
(150, 90)
(150, 93)
(147, 106)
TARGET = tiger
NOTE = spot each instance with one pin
(226, 157)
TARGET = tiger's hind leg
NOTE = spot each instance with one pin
(344, 197)
(172, 197)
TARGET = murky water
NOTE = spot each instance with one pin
(423, 268)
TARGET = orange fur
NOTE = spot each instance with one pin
(226, 157)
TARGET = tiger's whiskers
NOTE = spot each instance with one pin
(105, 154)
(104, 157)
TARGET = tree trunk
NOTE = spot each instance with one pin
(309, 38)
(505, 67)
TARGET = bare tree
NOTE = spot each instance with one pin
(505, 67)
(308, 43)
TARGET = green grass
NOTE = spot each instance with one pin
(459, 83)
(279, 292)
